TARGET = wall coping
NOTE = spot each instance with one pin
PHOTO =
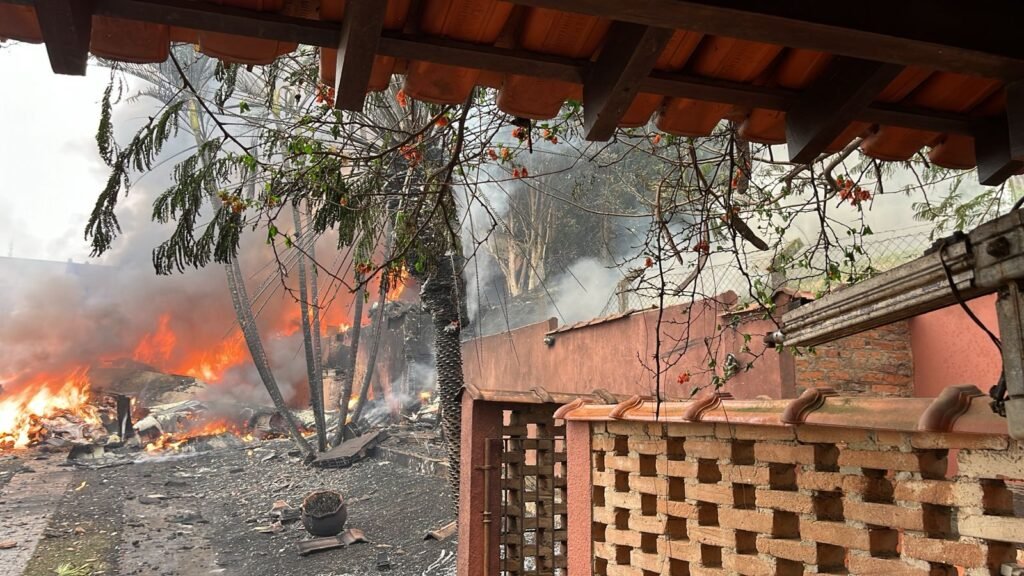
(540, 395)
(961, 409)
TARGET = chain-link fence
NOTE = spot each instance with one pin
(808, 268)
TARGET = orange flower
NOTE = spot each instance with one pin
(648, 262)
(523, 172)
(683, 378)
(402, 99)
(492, 154)
(519, 133)
(515, 173)
(657, 139)
(441, 122)
(505, 153)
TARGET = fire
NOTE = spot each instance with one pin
(210, 365)
(159, 345)
(174, 441)
(45, 396)
(396, 285)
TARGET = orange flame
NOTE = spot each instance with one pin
(396, 285)
(157, 346)
(211, 364)
(45, 396)
(174, 441)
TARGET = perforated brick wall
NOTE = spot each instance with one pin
(716, 499)
(533, 485)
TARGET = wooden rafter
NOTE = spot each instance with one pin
(357, 47)
(972, 38)
(611, 83)
(217, 18)
(67, 29)
(827, 107)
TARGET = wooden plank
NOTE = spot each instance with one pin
(217, 18)
(67, 29)
(613, 81)
(971, 38)
(999, 142)
(481, 57)
(914, 288)
(828, 106)
(357, 47)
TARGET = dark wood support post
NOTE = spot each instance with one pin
(357, 47)
(827, 107)
(611, 83)
(67, 29)
(999, 142)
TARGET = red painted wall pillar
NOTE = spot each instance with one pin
(480, 421)
(578, 494)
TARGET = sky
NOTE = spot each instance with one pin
(50, 170)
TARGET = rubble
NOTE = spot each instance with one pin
(442, 533)
(349, 451)
(346, 538)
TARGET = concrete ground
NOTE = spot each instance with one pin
(199, 514)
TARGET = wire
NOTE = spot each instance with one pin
(960, 299)
(997, 392)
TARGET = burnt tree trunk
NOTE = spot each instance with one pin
(441, 296)
(371, 359)
(247, 321)
(349, 373)
(314, 296)
(315, 390)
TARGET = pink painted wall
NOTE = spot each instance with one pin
(480, 421)
(580, 511)
(610, 354)
(950, 349)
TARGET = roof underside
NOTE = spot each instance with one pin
(937, 75)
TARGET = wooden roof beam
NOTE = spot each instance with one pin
(999, 142)
(973, 38)
(613, 81)
(357, 47)
(67, 28)
(836, 98)
(217, 18)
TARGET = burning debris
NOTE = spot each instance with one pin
(50, 407)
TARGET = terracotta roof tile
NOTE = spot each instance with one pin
(569, 40)
(961, 410)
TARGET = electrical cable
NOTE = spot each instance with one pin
(997, 392)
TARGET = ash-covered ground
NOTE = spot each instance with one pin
(194, 515)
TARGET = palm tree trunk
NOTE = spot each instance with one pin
(349, 374)
(317, 349)
(247, 321)
(440, 296)
(243, 311)
(315, 394)
(371, 361)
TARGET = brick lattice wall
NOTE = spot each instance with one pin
(878, 362)
(533, 480)
(713, 499)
